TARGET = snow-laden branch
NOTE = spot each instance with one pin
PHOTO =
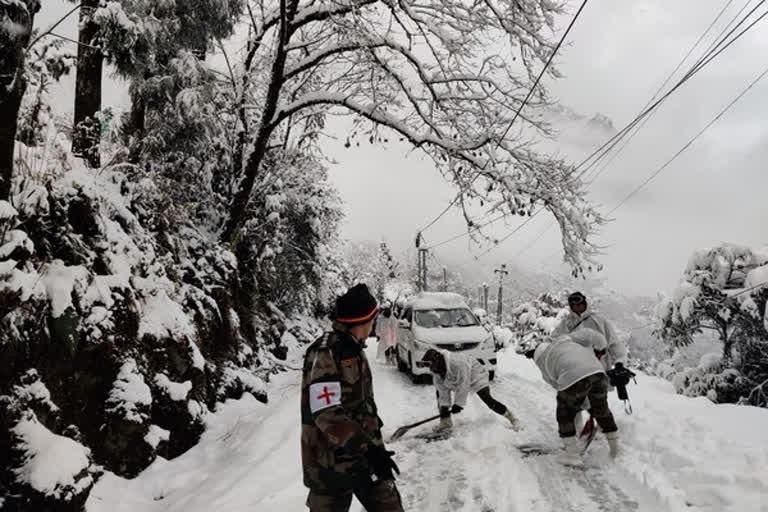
(373, 113)
(448, 76)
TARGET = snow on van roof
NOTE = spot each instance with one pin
(437, 300)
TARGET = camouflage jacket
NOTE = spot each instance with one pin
(339, 419)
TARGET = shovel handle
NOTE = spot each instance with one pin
(400, 432)
(431, 418)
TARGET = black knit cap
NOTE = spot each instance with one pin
(577, 298)
(355, 307)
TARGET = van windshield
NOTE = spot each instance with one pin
(433, 318)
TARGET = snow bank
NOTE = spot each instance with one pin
(53, 465)
(695, 454)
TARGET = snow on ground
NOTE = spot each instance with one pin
(681, 454)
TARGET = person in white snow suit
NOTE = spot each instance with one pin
(387, 333)
(613, 357)
(460, 374)
(581, 317)
(574, 371)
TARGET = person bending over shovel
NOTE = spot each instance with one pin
(568, 364)
(454, 372)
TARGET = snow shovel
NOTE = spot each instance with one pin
(400, 432)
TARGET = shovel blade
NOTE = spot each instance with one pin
(400, 432)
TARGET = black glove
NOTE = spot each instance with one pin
(445, 412)
(620, 376)
(381, 462)
(456, 409)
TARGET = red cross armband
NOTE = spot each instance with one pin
(323, 395)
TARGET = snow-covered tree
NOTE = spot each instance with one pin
(444, 76)
(90, 60)
(370, 263)
(537, 317)
(144, 39)
(723, 291)
(704, 301)
(46, 63)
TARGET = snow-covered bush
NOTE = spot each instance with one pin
(117, 333)
(538, 317)
(723, 295)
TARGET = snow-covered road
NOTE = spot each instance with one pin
(681, 454)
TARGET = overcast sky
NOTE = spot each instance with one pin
(619, 54)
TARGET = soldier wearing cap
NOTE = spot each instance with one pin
(342, 449)
(582, 316)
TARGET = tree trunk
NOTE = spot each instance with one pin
(87, 130)
(133, 132)
(726, 343)
(16, 20)
(238, 208)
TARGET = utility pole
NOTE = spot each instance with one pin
(422, 269)
(421, 264)
(502, 272)
(445, 279)
(485, 297)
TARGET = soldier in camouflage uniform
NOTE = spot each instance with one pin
(342, 449)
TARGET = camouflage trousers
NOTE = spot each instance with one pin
(381, 496)
(569, 402)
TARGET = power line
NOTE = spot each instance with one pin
(664, 84)
(689, 143)
(468, 232)
(758, 285)
(708, 57)
(712, 52)
(510, 235)
(704, 60)
(517, 114)
(693, 47)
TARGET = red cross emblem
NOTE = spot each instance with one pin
(326, 395)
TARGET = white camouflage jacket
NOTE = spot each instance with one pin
(617, 349)
(564, 362)
(463, 374)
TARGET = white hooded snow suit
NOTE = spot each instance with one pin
(563, 362)
(616, 351)
(463, 374)
(577, 375)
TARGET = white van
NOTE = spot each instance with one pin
(440, 320)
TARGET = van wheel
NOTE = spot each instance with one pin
(491, 374)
